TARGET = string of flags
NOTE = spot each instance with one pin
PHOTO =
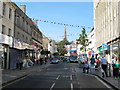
(58, 23)
(66, 35)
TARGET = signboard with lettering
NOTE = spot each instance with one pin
(6, 40)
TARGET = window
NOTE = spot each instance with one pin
(26, 39)
(26, 26)
(23, 37)
(34, 34)
(18, 34)
(9, 32)
(3, 29)
(4, 8)
(23, 23)
(10, 13)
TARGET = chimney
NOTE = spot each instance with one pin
(23, 8)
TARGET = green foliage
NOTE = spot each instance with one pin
(83, 40)
(61, 48)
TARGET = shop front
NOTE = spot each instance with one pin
(5, 44)
(115, 49)
(20, 49)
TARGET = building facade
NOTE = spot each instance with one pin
(52, 47)
(91, 48)
(107, 26)
(7, 12)
(19, 35)
(45, 41)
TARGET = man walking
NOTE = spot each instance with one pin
(92, 60)
(21, 63)
(104, 64)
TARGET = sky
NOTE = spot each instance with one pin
(72, 13)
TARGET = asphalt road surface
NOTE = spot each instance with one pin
(64, 76)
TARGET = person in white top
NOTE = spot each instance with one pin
(104, 64)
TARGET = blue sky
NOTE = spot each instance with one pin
(73, 13)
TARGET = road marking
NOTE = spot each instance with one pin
(65, 68)
(108, 86)
(14, 81)
(71, 77)
(103, 82)
(71, 86)
(58, 77)
(52, 86)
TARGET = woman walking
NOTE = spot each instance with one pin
(117, 67)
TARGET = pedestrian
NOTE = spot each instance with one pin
(45, 59)
(117, 67)
(37, 60)
(86, 66)
(18, 63)
(114, 59)
(92, 63)
(104, 64)
(21, 63)
(33, 56)
(97, 61)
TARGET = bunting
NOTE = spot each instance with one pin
(58, 23)
(66, 35)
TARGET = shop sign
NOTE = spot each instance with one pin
(35, 44)
(6, 40)
(32, 46)
(25, 46)
(17, 44)
(104, 46)
(100, 50)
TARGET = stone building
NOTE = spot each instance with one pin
(19, 35)
(107, 26)
(45, 41)
(7, 13)
(91, 48)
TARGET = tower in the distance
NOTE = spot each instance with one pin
(65, 35)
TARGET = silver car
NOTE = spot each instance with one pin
(55, 61)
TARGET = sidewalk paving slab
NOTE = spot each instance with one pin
(15, 74)
(115, 83)
(109, 80)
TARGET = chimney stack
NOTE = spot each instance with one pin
(23, 8)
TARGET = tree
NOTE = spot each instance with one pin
(83, 40)
(61, 48)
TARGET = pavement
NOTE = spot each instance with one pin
(115, 83)
(9, 76)
(12, 75)
(109, 80)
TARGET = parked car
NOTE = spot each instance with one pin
(65, 59)
(55, 61)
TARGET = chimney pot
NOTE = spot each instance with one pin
(23, 7)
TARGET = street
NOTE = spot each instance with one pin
(64, 75)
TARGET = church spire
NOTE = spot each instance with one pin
(65, 34)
